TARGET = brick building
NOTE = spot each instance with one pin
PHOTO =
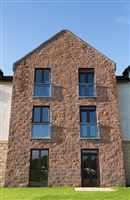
(64, 127)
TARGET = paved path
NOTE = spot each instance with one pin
(95, 189)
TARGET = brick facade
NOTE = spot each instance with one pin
(3, 157)
(64, 54)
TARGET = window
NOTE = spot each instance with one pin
(86, 82)
(88, 125)
(42, 83)
(40, 122)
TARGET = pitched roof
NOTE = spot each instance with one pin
(55, 37)
(5, 78)
(124, 77)
(126, 71)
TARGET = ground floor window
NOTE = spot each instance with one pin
(39, 167)
(89, 168)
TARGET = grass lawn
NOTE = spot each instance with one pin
(61, 194)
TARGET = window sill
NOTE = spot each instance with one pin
(46, 138)
(96, 138)
(45, 97)
(87, 97)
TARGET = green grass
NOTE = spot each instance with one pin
(61, 194)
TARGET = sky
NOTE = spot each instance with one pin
(25, 24)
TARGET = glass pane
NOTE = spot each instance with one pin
(88, 131)
(84, 130)
(90, 77)
(83, 116)
(83, 77)
(44, 153)
(93, 130)
(86, 90)
(46, 76)
(36, 114)
(82, 90)
(35, 159)
(90, 90)
(42, 90)
(35, 154)
(35, 177)
(92, 117)
(45, 114)
(40, 131)
(44, 167)
(44, 159)
(38, 75)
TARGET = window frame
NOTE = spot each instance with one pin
(41, 122)
(83, 70)
(96, 122)
(41, 114)
(42, 82)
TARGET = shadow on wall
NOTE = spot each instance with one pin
(102, 93)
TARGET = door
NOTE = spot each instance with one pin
(89, 168)
(39, 168)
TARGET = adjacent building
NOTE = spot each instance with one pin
(64, 127)
(123, 86)
(5, 107)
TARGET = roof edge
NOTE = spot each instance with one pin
(6, 78)
(53, 38)
(40, 46)
(122, 79)
(87, 44)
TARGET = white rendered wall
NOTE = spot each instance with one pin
(5, 108)
(124, 107)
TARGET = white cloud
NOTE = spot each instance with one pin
(123, 20)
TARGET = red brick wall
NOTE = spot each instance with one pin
(64, 55)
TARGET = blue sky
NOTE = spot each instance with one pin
(105, 24)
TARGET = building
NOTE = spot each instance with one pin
(5, 106)
(64, 127)
(123, 86)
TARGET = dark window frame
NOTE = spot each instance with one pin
(42, 69)
(88, 109)
(42, 83)
(30, 161)
(41, 114)
(90, 151)
(87, 84)
(41, 122)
